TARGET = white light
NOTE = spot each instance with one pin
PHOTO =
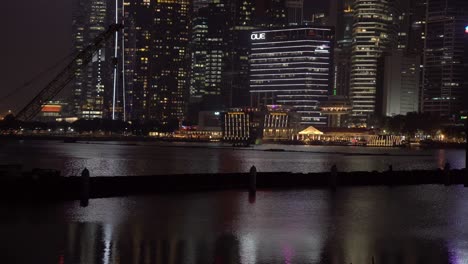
(293, 29)
(257, 36)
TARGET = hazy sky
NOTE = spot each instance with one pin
(35, 35)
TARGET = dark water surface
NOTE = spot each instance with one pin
(147, 158)
(352, 225)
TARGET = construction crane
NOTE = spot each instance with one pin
(66, 75)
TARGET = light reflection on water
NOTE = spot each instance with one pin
(144, 158)
(425, 224)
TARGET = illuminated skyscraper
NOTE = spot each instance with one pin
(445, 57)
(236, 73)
(208, 50)
(93, 83)
(371, 38)
(292, 67)
(157, 43)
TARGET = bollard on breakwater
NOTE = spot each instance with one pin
(333, 177)
(466, 152)
(84, 192)
(447, 174)
(253, 179)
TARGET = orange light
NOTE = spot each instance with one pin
(51, 108)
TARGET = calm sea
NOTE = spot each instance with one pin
(149, 158)
(401, 225)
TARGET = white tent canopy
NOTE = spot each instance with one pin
(311, 131)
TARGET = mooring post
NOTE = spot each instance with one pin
(253, 180)
(389, 177)
(84, 192)
(447, 174)
(334, 177)
(466, 152)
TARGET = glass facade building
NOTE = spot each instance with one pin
(445, 57)
(92, 85)
(292, 67)
(371, 38)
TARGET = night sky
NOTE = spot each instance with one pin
(35, 35)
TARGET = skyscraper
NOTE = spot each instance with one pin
(160, 33)
(92, 87)
(401, 83)
(295, 12)
(293, 67)
(208, 50)
(236, 72)
(371, 38)
(445, 57)
(341, 17)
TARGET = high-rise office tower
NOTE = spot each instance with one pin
(160, 33)
(236, 73)
(371, 38)
(293, 67)
(93, 83)
(295, 12)
(445, 57)
(197, 4)
(399, 87)
(401, 83)
(417, 30)
(208, 50)
(276, 15)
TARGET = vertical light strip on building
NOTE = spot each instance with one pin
(115, 57)
(123, 64)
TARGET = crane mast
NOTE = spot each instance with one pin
(66, 75)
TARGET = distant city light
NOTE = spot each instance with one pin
(466, 29)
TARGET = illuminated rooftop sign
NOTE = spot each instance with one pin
(257, 36)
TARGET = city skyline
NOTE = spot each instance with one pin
(205, 65)
(44, 39)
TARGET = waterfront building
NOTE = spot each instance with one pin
(92, 86)
(337, 109)
(53, 110)
(371, 38)
(158, 44)
(445, 57)
(292, 67)
(280, 123)
(237, 125)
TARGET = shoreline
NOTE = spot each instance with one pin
(86, 139)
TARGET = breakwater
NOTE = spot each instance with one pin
(50, 187)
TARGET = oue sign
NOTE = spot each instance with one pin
(257, 36)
